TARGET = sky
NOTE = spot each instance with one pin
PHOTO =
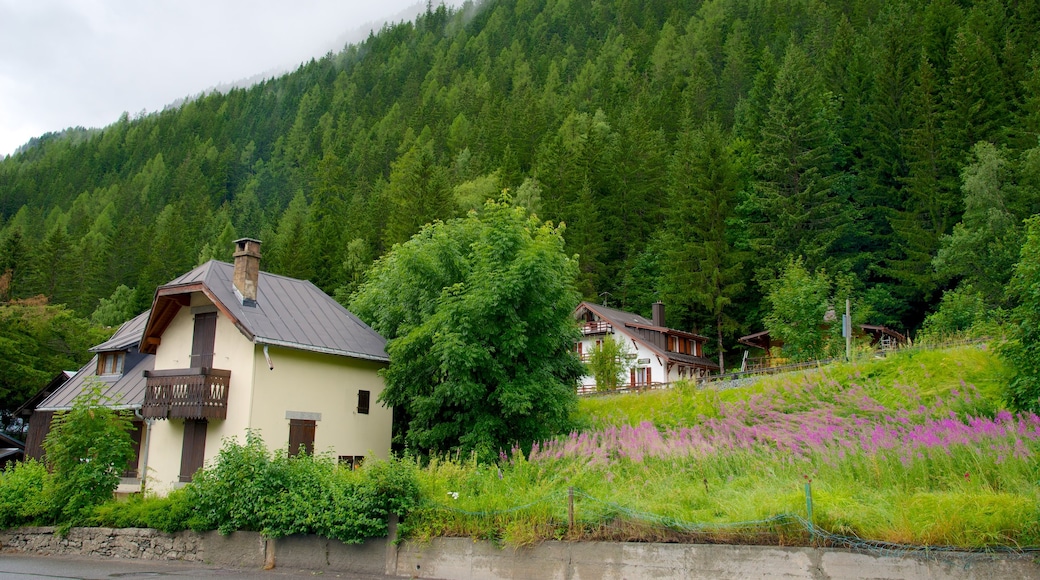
(68, 63)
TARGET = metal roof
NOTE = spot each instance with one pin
(129, 334)
(124, 391)
(288, 312)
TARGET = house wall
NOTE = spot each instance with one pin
(258, 398)
(232, 351)
(305, 383)
(657, 371)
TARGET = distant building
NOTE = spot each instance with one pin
(657, 354)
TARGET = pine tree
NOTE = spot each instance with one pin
(702, 272)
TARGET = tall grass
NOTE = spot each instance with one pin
(907, 449)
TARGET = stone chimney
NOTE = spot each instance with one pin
(247, 270)
(658, 316)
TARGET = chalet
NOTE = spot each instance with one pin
(881, 338)
(656, 354)
(227, 348)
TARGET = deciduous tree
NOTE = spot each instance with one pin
(477, 316)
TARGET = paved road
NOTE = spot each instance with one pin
(25, 567)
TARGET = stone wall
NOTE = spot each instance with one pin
(465, 559)
(106, 543)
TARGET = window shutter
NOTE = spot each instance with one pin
(301, 433)
(193, 453)
(362, 401)
(204, 340)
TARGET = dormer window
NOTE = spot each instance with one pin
(110, 363)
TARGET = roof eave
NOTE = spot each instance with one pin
(321, 349)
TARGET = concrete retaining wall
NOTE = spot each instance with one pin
(464, 559)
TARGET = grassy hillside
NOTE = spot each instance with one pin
(914, 449)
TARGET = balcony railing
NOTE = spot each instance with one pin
(597, 327)
(198, 393)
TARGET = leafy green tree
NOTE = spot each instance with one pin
(983, 246)
(608, 362)
(1023, 346)
(798, 302)
(117, 308)
(37, 341)
(477, 316)
(961, 310)
(87, 450)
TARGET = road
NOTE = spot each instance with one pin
(26, 567)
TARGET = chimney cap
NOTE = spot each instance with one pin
(247, 246)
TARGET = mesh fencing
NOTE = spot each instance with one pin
(572, 509)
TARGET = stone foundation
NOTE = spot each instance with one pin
(144, 544)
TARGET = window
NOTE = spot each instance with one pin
(110, 363)
(301, 436)
(351, 461)
(362, 401)
(193, 453)
(203, 340)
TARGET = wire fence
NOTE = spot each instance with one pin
(742, 378)
(592, 518)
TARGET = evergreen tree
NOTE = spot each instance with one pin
(702, 272)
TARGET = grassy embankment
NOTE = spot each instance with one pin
(915, 448)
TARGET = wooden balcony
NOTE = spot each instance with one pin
(597, 327)
(197, 393)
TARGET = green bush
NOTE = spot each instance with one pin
(87, 449)
(168, 514)
(24, 494)
(250, 488)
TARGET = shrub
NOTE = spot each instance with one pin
(250, 488)
(168, 514)
(24, 497)
(87, 449)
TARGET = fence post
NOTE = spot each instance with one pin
(808, 510)
(570, 510)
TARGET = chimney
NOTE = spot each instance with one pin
(247, 270)
(658, 317)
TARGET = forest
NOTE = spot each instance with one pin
(691, 148)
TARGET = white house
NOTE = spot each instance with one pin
(227, 348)
(656, 354)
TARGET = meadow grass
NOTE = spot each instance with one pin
(914, 449)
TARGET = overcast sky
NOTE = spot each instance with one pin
(67, 63)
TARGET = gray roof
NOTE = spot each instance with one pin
(124, 391)
(291, 313)
(129, 334)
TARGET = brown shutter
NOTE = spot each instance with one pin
(648, 381)
(362, 401)
(301, 432)
(39, 427)
(204, 339)
(632, 375)
(193, 453)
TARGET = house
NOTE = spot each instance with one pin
(227, 349)
(11, 450)
(656, 354)
(25, 413)
(117, 368)
(881, 338)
